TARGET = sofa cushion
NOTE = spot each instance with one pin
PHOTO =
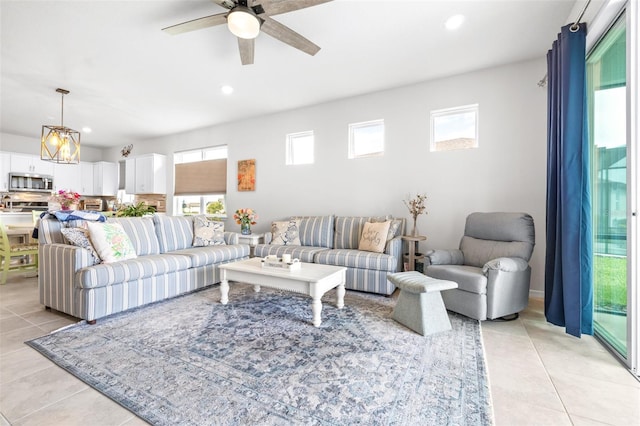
(357, 259)
(316, 231)
(173, 232)
(477, 252)
(111, 242)
(469, 278)
(130, 270)
(374, 236)
(49, 231)
(141, 232)
(286, 233)
(207, 232)
(501, 227)
(305, 254)
(207, 255)
(348, 231)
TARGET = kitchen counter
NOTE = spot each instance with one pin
(16, 218)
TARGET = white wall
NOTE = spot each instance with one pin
(27, 145)
(506, 173)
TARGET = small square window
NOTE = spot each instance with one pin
(454, 128)
(366, 139)
(300, 148)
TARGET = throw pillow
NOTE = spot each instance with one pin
(79, 237)
(374, 236)
(286, 233)
(393, 227)
(207, 232)
(111, 242)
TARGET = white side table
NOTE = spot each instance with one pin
(252, 240)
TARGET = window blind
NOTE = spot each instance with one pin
(201, 177)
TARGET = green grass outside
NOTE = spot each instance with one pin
(610, 282)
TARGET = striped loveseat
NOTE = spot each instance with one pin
(166, 265)
(334, 240)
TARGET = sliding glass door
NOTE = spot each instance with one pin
(607, 105)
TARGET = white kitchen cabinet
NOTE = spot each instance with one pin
(25, 163)
(146, 174)
(105, 178)
(5, 166)
(67, 176)
(86, 179)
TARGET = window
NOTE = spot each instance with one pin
(211, 153)
(454, 128)
(211, 205)
(122, 196)
(300, 148)
(366, 139)
(201, 181)
(607, 108)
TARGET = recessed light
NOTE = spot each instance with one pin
(86, 129)
(454, 22)
(226, 89)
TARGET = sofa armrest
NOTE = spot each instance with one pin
(507, 291)
(231, 238)
(506, 264)
(53, 257)
(394, 248)
(57, 267)
(445, 257)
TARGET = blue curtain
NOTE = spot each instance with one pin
(568, 264)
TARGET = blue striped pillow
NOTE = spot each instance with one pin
(348, 231)
(173, 232)
(49, 231)
(141, 232)
(316, 231)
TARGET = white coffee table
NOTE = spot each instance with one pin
(311, 279)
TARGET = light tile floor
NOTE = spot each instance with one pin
(538, 374)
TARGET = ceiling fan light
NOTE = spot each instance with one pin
(243, 23)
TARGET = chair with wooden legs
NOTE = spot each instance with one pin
(9, 250)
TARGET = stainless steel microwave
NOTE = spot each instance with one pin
(30, 182)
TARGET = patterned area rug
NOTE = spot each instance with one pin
(259, 360)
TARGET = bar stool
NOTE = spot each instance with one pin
(23, 251)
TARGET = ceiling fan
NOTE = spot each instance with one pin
(246, 18)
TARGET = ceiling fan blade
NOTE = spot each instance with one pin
(247, 47)
(286, 35)
(197, 24)
(276, 7)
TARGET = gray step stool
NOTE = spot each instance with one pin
(420, 306)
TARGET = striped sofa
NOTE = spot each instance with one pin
(334, 240)
(166, 265)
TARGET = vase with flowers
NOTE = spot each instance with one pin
(416, 208)
(67, 199)
(245, 218)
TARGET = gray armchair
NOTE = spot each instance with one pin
(491, 266)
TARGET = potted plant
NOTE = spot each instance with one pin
(136, 210)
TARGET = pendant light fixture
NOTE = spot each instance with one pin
(60, 144)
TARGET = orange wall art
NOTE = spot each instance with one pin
(247, 175)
